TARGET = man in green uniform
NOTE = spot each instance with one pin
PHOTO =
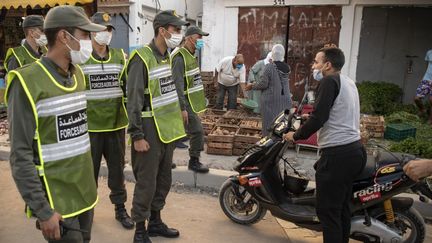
(187, 76)
(155, 122)
(50, 147)
(33, 47)
(107, 118)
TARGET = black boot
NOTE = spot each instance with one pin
(157, 228)
(141, 234)
(197, 166)
(122, 216)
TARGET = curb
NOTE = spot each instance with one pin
(214, 179)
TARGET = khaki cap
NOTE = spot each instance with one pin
(195, 30)
(33, 21)
(168, 17)
(70, 16)
(102, 18)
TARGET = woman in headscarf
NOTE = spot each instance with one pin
(275, 96)
(255, 75)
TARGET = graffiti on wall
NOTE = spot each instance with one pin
(259, 29)
(310, 28)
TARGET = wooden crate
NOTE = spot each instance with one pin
(219, 151)
(208, 122)
(215, 112)
(241, 145)
(238, 151)
(220, 145)
(238, 114)
(212, 137)
(207, 74)
(251, 123)
(244, 135)
(228, 122)
(371, 120)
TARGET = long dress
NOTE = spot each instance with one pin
(275, 96)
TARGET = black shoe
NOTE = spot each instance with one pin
(141, 234)
(161, 229)
(157, 228)
(181, 145)
(173, 166)
(197, 166)
(122, 216)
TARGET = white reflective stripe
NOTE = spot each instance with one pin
(195, 89)
(159, 69)
(161, 72)
(66, 149)
(192, 72)
(166, 73)
(165, 102)
(169, 96)
(95, 94)
(97, 68)
(61, 104)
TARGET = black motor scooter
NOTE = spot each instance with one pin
(377, 215)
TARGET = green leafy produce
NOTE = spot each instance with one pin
(379, 98)
(413, 146)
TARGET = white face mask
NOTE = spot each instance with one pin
(84, 53)
(317, 74)
(103, 37)
(174, 41)
(42, 40)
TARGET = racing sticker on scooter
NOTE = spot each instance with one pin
(256, 181)
(372, 192)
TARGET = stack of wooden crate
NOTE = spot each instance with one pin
(209, 119)
(372, 125)
(220, 140)
(209, 88)
(248, 134)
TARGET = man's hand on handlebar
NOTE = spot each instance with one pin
(289, 136)
(418, 169)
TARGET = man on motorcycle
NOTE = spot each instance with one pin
(336, 116)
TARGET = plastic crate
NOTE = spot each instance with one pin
(399, 131)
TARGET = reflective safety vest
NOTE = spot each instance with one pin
(165, 106)
(105, 101)
(22, 55)
(63, 143)
(194, 89)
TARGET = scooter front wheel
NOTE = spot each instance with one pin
(238, 205)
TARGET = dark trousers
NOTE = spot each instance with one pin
(112, 146)
(152, 171)
(335, 174)
(195, 131)
(232, 96)
(83, 221)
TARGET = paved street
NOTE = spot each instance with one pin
(197, 216)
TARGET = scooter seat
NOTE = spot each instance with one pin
(369, 169)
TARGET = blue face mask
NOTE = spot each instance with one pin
(239, 66)
(199, 44)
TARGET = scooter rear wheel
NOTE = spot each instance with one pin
(234, 207)
(409, 222)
